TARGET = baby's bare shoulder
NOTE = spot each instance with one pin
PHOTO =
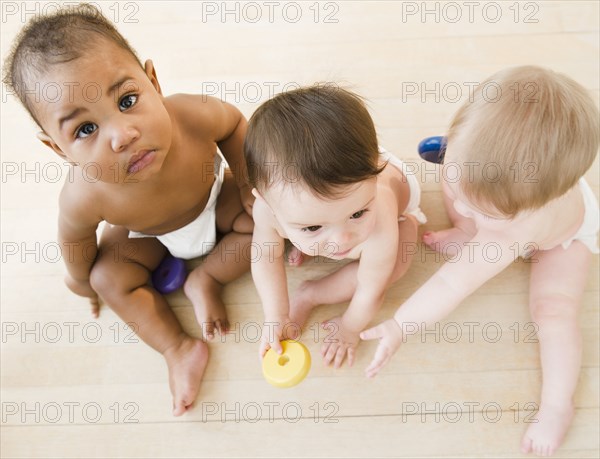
(389, 204)
(265, 219)
(202, 115)
(80, 203)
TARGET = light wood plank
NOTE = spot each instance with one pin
(373, 50)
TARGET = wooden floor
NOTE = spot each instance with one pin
(75, 387)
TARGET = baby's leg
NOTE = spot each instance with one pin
(120, 275)
(225, 263)
(339, 286)
(557, 283)
(462, 231)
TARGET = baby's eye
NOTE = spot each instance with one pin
(127, 102)
(357, 215)
(85, 130)
(312, 229)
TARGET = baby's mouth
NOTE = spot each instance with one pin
(139, 161)
(342, 253)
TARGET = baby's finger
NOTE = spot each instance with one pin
(374, 368)
(381, 358)
(292, 331)
(209, 330)
(350, 356)
(372, 333)
(324, 349)
(276, 345)
(331, 352)
(263, 348)
(95, 307)
(222, 326)
(339, 357)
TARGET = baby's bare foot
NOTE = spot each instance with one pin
(295, 257)
(301, 304)
(448, 242)
(186, 362)
(205, 294)
(545, 436)
(212, 317)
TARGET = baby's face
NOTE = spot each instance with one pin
(104, 113)
(488, 218)
(330, 228)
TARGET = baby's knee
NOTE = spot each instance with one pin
(243, 223)
(101, 278)
(113, 279)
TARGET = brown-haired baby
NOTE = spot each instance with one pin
(159, 182)
(322, 182)
(533, 133)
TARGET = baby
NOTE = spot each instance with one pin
(321, 181)
(148, 166)
(521, 151)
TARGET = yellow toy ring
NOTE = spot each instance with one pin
(288, 368)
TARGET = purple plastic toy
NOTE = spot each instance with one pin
(170, 275)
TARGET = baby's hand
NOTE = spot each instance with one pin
(275, 330)
(389, 334)
(84, 288)
(338, 343)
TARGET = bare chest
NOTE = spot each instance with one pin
(173, 201)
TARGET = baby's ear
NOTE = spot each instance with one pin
(47, 140)
(151, 73)
(256, 194)
(259, 197)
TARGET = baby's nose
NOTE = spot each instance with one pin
(343, 239)
(122, 137)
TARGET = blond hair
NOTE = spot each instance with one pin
(537, 128)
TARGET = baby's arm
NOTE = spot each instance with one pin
(443, 292)
(269, 276)
(229, 127)
(216, 121)
(375, 269)
(77, 236)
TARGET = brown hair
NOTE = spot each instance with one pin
(321, 136)
(540, 131)
(55, 39)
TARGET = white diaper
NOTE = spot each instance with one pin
(200, 236)
(413, 185)
(588, 231)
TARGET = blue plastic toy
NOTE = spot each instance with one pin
(170, 275)
(433, 149)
